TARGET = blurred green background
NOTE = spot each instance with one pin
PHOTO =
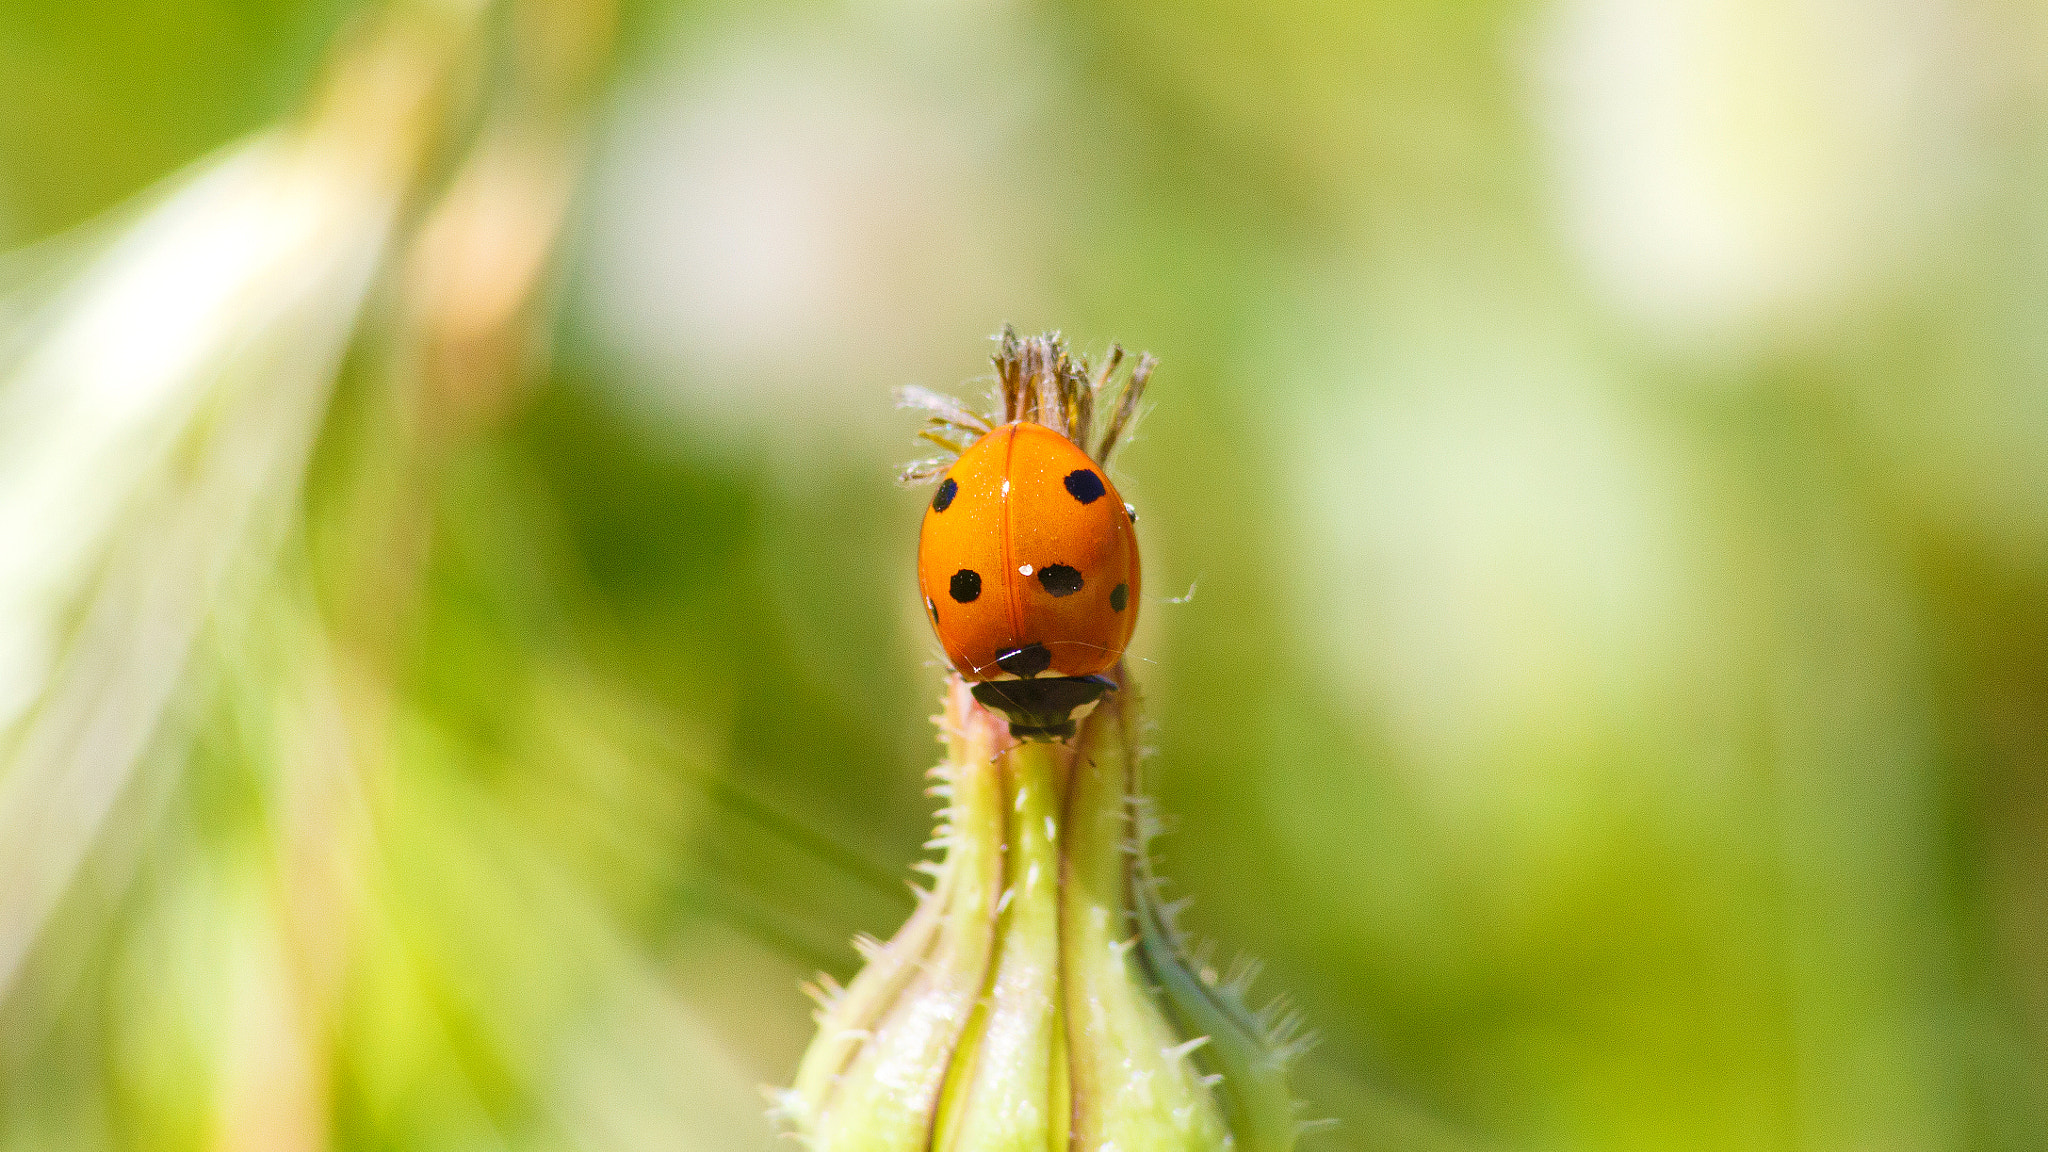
(460, 666)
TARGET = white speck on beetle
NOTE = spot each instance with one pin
(1006, 487)
(1024, 569)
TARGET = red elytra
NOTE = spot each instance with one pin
(1027, 561)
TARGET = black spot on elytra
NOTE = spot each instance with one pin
(1118, 597)
(1059, 579)
(1085, 486)
(1027, 661)
(966, 585)
(943, 498)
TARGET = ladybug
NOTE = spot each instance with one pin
(1028, 565)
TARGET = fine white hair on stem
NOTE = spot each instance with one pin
(942, 408)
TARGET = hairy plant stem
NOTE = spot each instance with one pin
(1038, 998)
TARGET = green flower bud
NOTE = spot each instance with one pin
(1039, 997)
